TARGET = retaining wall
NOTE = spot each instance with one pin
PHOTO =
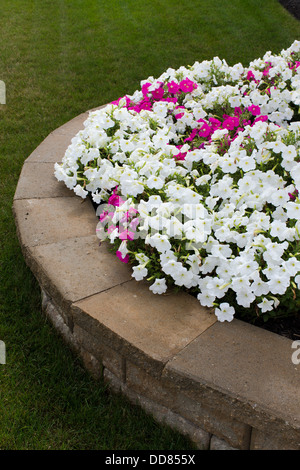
(225, 385)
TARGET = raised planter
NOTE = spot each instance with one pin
(225, 385)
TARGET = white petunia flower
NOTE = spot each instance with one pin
(159, 286)
(245, 298)
(160, 242)
(278, 285)
(225, 312)
(139, 272)
(266, 305)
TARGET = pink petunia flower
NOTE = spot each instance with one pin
(122, 258)
(180, 156)
(170, 99)
(237, 111)
(260, 118)
(130, 213)
(250, 76)
(173, 87)
(205, 129)
(254, 110)
(187, 85)
(293, 195)
(115, 200)
(145, 104)
(191, 136)
(145, 89)
(230, 123)
(103, 216)
(215, 123)
(158, 93)
(179, 114)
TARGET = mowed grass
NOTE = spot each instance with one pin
(59, 58)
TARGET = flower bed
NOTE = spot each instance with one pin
(197, 177)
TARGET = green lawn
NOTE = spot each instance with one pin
(59, 58)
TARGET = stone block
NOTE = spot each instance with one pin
(91, 364)
(58, 321)
(161, 413)
(148, 329)
(47, 300)
(54, 314)
(212, 420)
(246, 369)
(219, 444)
(260, 440)
(217, 421)
(76, 268)
(52, 149)
(37, 180)
(72, 127)
(42, 221)
(150, 386)
(103, 353)
(113, 382)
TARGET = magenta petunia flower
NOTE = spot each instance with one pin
(250, 76)
(187, 86)
(230, 123)
(145, 89)
(215, 123)
(180, 156)
(122, 258)
(191, 136)
(116, 102)
(173, 87)
(146, 104)
(158, 93)
(205, 129)
(293, 195)
(170, 99)
(115, 200)
(260, 118)
(266, 70)
(239, 129)
(237, 111)
(254, 110)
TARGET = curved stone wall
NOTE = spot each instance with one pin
(225, 385)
